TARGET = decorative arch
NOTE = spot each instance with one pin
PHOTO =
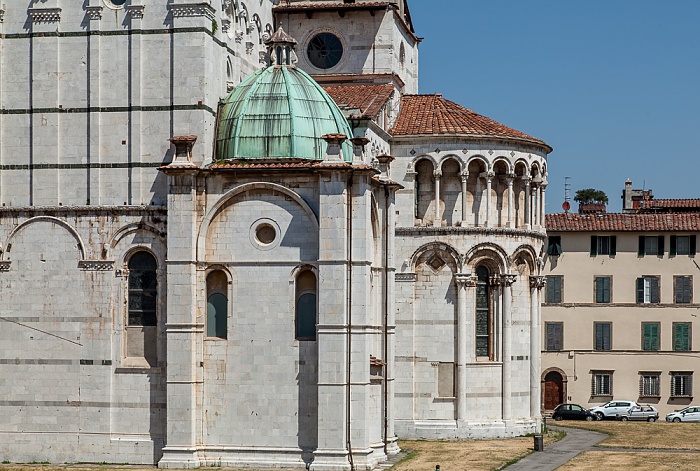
(418, 158)
(480, 158)
(509, 166)
(231, 194)
(529, 255)
(130, 229)
(454, 157)
(535, 168)
(436, 246)
(489, 254)
(71, 230)
(300, 268)
(521, 163)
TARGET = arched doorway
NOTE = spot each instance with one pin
(553, 388)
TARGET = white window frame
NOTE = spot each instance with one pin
(649, 385)
(602, 383)
(681, 383)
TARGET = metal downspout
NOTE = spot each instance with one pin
(349, 327)
(386, 320)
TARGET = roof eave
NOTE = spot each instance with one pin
(535, 142)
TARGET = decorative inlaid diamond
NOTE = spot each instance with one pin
(490, 151)
(465, 151)
(413, 152)
(437, 150)
(436, 263)
(512, 154)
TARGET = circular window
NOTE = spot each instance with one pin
(325, 50)
(265, 234)
(114, 4)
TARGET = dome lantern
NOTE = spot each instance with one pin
(280, 49)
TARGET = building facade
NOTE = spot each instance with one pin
(224, 244)
(619, 309)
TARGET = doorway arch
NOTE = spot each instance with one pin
(554, 386)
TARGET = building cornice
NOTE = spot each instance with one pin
(436, 231)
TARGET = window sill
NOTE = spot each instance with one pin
(680, 397)
(642, 396)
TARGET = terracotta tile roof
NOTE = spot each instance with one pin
(671, 203)
(330, 5)
(374, 361)
(369, 99)
(622, 222)
(282, 164)
(433, 114)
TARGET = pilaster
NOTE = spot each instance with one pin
(506, 280)
(536, 285)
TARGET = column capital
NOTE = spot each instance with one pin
(487, 175)
(509, 178)
(508, 279)
(465, 280)
(437, 173)
(538, 282)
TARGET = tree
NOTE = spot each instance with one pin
(591, 195)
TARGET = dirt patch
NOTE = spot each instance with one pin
(595, 460)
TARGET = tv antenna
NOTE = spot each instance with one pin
(567, 194)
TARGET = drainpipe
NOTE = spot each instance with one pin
(386, 320)
(349, 327)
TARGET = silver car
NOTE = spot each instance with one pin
(643, 413)
(612, 408)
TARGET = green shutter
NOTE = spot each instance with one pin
(594, 246)
(681, 337)
(598, 290)
(660, 246)
(651, 337)
(654, 290)
(640, 247)
(613, 246)
(640, 290)
(672, 246)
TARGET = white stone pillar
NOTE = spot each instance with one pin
(509, 179)
(489, 178)
(527, 203)
(533, 212)
(438, 220)
(506, 281)
(462, 280)
(543, 187)
(536, 285)
(465, 176)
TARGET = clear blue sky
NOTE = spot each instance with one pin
(613, 86)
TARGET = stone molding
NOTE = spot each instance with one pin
(94, 13)
(5, 265)
(192, 9)
(44, 15)
(96, 265)
(436, 231)
(135, 11)
(405, 277)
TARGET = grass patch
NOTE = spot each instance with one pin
(660, 435)
(596, 460)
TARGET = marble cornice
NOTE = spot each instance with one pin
(436, 231)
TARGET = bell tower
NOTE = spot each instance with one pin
(353, 41)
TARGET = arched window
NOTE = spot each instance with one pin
(279, 55)
(483, 313)
(217, 304)
(305, 306)
(143, 288)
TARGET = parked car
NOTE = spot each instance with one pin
(689, 414)
(612, 408)
(645, 413)
(572, 412)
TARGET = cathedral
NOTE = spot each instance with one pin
(234, 234)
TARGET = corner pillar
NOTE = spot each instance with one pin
(506, 281)
(536, 285)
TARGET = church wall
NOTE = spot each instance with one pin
(74, 392)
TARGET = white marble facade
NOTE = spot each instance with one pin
(93, 178)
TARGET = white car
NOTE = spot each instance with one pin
(612, 408)
(689, 414)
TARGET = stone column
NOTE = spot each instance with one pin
(506, 281)
(509, 179)
(536, 285)
(465, 176)
(489, 179)
(533, 212)
(543, 187)
(463, 321)
(438, 221)
(526, 209)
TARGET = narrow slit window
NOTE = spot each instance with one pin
(143, 289)
(217, 304)
(483, 314)
(306, 306)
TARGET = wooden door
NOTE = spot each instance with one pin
(553, 390)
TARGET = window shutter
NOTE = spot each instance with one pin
(654, 290)
(606, 337)
(660, 247)
(640, 247)
(692, 245)
(640, 290)
(594, 246)
(681, 337)
(672, 246)
(606, 289)
(598, 290)
(687, 292)
(613, 245)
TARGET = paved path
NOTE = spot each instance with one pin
(556, 454)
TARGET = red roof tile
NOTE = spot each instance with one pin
(622, 222)
(369, 99)
(671, 203)
(433, 114)
(283, 164)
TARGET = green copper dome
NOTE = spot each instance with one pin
(279, 113)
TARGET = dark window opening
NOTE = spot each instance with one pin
(217, 304)
(142, 289)
(483, 313)
(305, 306)
(554, 245)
